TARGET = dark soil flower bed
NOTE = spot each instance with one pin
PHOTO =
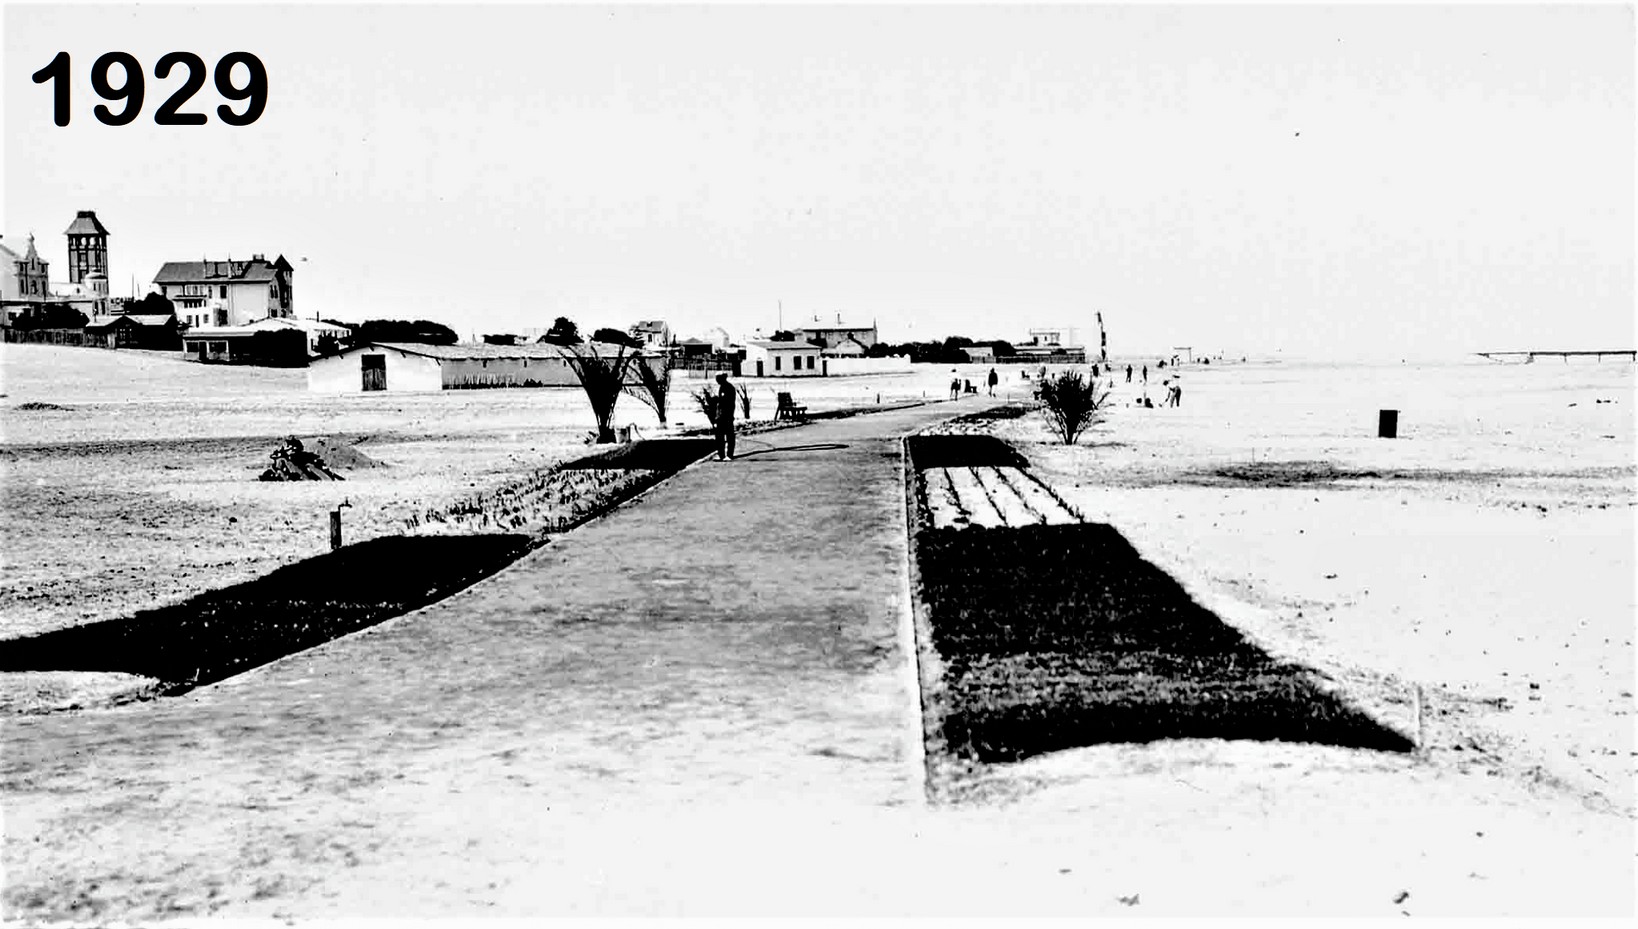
(228, 631)
(963, 451)
(996, 414)
(647, 455)
(1055, 637)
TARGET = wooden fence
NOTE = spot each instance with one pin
(77, 337)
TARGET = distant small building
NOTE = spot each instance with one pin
(844, 348)
(284, 347)
(313, 330)
(781, 359)
(828, 335)
(652, 333)
(1053, 345)
(155, 331)
(408, 366)
(227, 294)
(980, 353)
(695, 348)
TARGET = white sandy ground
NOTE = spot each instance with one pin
(1503, 589)
(1199, 828)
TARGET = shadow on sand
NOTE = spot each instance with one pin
(228, 631)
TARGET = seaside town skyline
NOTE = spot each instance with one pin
(1317, 182)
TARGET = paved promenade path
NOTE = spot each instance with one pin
(729, 647)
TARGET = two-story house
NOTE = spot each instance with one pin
(229, 293)
(652, 333)
(835, 335)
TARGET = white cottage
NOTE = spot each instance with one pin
(408, 366)
(782, 359)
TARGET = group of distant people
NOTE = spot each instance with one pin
(1173, 385)
(957, 384)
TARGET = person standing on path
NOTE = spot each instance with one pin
(955, 385)
(994, 378)
(1145, 375)
(1128, 374)
(727, 398)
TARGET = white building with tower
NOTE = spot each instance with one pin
(25, 279)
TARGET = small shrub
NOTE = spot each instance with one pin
(1071, 403)
(707, 401)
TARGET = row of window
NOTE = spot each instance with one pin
(203, 290)
(796, 363)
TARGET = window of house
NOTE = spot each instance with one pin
(217, 348)
(810, 362)
(224, 290)
(776, 362)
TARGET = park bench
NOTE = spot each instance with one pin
(788, 408)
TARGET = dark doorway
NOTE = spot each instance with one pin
(375, 371)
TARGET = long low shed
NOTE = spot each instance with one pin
(404, 366)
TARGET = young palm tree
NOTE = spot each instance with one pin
(603, 378)
(656, 384)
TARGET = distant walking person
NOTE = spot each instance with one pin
(1146, 374)
(955, 385)
(1128, 374)
(1177, 393)
(726, 399)
(994, 379)
(1094, 372)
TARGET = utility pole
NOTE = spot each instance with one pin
(781, 316)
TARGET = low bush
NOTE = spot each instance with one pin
(1071, 401)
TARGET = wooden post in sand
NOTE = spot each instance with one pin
(1421, 724)
(335, 526)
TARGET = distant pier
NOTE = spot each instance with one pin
(1530, 356)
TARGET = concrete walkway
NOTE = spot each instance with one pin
(735, 640)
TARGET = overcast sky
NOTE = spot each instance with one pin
(1331, 182)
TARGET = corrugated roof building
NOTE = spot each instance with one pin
(407, 366)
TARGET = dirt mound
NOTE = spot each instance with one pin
(38, 406)
(314, 460)
(339, 452)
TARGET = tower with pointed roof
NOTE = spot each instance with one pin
(88, 253)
